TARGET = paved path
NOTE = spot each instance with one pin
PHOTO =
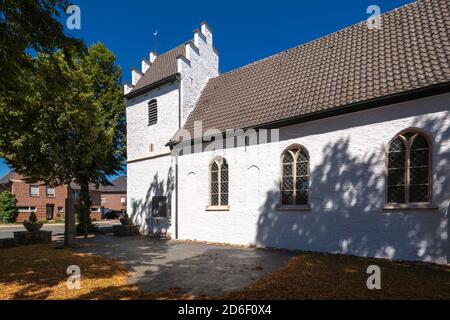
(6, 231)
(193, 268)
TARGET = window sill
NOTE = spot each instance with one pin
(294, 208)
(411, 206)
(217, 208)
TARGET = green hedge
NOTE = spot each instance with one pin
(8, 210)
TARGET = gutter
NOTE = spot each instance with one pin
(342, 110)
(176, 162)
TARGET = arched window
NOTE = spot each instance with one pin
(152, 112)
(218, 183)
(295, 176)
(409, 169)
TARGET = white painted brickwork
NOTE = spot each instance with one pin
(152, 173)
(347, 156)
(147, 179)
(139, 134)
(203, 65)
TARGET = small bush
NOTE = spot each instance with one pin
(92, 228)
(8, 210)
(33, 217)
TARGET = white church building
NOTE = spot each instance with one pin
(339, 145)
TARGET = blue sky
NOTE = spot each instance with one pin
(244, 31)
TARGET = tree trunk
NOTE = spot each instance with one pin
(69, 223)
(85, 203)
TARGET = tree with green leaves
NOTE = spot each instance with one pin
(72, 128)
(29, 26)
(8, 210)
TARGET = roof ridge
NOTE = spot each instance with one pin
(7, 175)
(322, 38)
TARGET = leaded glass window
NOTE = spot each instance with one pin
(409, 169)
(295, 177)
(219, 183)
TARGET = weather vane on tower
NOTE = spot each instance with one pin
(155, 38)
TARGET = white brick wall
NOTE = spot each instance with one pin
(203, 65)
(347, 156)
(139, 134)
(152, 173)
(146, 179)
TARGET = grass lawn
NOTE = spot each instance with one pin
(39, 272)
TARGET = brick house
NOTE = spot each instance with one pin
(114, 196)
(49, 203)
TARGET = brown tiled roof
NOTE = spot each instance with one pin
(76, 186)
(117, 185)
(164, 66)
(410, 51)
(7, 177)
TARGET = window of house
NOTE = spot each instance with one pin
(50, 192)
(218, 196)
(103, 200)
(295, 177)
(409, 169)
(34, 191)
(60, 210)
(152, 112)
(26, 209)
(123, 200)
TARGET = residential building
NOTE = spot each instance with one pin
(114, 196)
(50, 203)
(47, 202)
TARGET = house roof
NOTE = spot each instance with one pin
(7, 177)
(163, 67)
(76, 186)
(117, 185)
(409, 51)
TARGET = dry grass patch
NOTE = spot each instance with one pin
(39, 272)
(326, 276)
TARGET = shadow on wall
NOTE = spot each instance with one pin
(347, 198)
(142, 209)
